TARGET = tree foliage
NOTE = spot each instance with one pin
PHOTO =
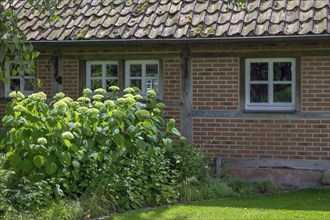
(14, 47)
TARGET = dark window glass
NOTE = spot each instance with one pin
(96, 70)
(15, 85)
(136, 83)
(259, 71)
(259, 93)
(96, 83)
(282, 71)
(111, 70)
(111, 82)
(283, 93)
(28, 85)
(136, 70)
(151, 70)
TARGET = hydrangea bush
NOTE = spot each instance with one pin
(100, 142)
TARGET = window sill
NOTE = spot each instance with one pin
(270, 111)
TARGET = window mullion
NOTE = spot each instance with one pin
(104, 76)
(270, 83)
(143, 79)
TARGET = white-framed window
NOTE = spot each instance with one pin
(24, 83)
(143, 74)
(101, 74)
(270, 84)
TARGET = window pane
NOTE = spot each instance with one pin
(112, 70)
(283, 93)
(282, 71)
(259, 71)
(96, 70)
(13, 70)
(28, 85)
(15, 85)
(111, 82)
(96, 83)
(152, 84)
(259, 93)
(152, 70)
(136, 83)
(136, 70)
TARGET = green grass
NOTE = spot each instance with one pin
(304, 204)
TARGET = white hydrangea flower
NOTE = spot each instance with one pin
(42, 141)
(67, 135)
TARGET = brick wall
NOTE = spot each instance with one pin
(315, 84)
(2, 109)
(264, 138)
(44, 73)
(70, 78)
(215, 84)
(171, 79)
(175, 113)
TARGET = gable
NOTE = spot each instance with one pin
(174, 19)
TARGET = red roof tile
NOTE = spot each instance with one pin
(174, 19)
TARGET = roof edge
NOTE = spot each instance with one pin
(265, 39)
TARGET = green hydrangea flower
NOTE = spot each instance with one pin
(100, 90)
(61, 106)
(98, 97)
(40, 96)
(119, 114)
(114, 88)
(157, 110)
(130, 101)
(151, 93)
(82, 110)
(109, 103)
(160, 105)
(142, 114)
(67, 100)
(83, 99)
(59, 95)
(67, 135)
(121, 101)
(16, 95)
(138, 97)
(93, 111)
(98, 104)
(19, 108)
(42, 141)
(129, 90)
(87, 91)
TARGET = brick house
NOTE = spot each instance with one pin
(250, 84)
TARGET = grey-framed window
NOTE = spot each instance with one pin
(102, 74)
(144, 74)
(270, 84)
(24, 83)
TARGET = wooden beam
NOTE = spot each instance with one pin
(186, 94)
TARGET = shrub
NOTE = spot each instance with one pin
(114, 146)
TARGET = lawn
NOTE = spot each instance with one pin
(304, 204)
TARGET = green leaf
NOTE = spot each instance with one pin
(38, 161)
(27, 166)
(67, 143)
(176, 132)
(51, 168)
(76, 164)
(141, 144)
(15, 160)
(58, 192)
(118, 139)
(65, 158)
(168, 142)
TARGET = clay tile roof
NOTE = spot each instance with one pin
(173, 19)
